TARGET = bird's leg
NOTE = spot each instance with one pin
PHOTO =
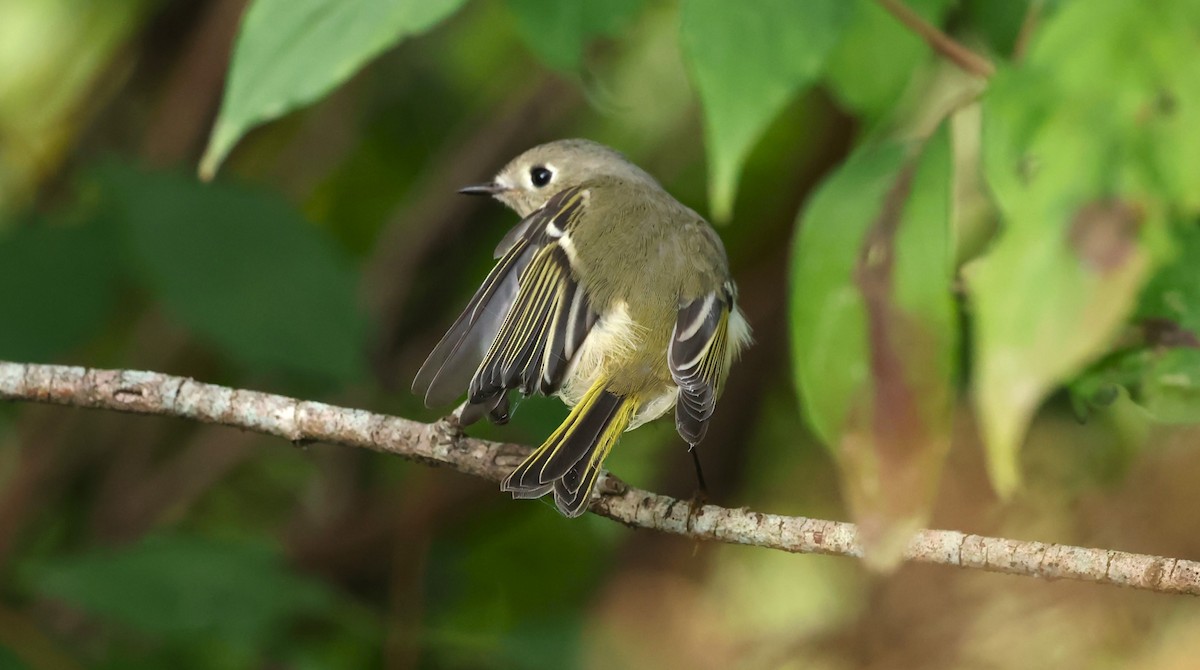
(701, 493)
(448, 429)
(700, 497)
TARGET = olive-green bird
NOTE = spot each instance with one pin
(610, 294)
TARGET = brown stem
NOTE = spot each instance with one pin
(939, 41)
(1028, 25)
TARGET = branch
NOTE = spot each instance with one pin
(939, 41)
(440, 444)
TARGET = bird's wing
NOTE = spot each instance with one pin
(551, 316)
(525, 322)
(698, 359)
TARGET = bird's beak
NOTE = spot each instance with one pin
(491, 188)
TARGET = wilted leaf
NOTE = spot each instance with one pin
(877, 56)
(60, 283)
(1084, 203)
(179, 587)
(242, 269)
(873, 332)
(748, 60)
(291, 52)
(1042, 313)
(558, 31)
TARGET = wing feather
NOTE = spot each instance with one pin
(697, 359)
(523, 326)
(456, 359)
(451, 364)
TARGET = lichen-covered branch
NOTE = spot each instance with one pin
(441, 444)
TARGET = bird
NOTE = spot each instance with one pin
(610, 294)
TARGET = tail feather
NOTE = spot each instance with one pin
(569, 462)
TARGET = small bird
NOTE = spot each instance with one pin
(611, 295)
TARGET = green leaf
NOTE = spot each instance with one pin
(179, 587)
(999, 23)
(1072, 153)
(559, 31)
(828, 319)
(748, 59)
(1136, 60)
(61, 285)
(1163, 381)
(493, 591)
(874, 340)
(10, 661)
(291, 52)
(1173, 294)
(243, 269)
(1171, 389)
(877, 56)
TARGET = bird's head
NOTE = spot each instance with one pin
(531, 179)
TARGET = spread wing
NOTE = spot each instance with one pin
(449, 367)
(697, 357)
(524, 324)
(548, 321)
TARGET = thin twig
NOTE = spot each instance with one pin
(302, 421)
(939, 41)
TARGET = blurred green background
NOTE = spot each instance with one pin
(330, 253)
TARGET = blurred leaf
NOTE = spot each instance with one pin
(291, 52)
(873, 331)
(537, 639)
(828, 321)
(1136, 61)
(243, 269)
(10, 661)
(1100, 386)
(1164, 382)
(1173, 293)
(544, 584)
(1069, 153)
(61, 284)
(872, 64)
(1042, 312)
(1171, 390)
(180, 587)
(999, 23)
(54, 57)
(748, 60)
(559, 31)
(495, 586)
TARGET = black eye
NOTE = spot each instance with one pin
(540, 176)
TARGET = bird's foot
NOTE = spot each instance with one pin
(696, 507)
(611, 485)
(448, 431)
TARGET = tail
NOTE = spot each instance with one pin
(568, 463)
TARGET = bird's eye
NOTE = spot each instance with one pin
(540, 176)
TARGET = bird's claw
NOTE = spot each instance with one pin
(448, 431)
